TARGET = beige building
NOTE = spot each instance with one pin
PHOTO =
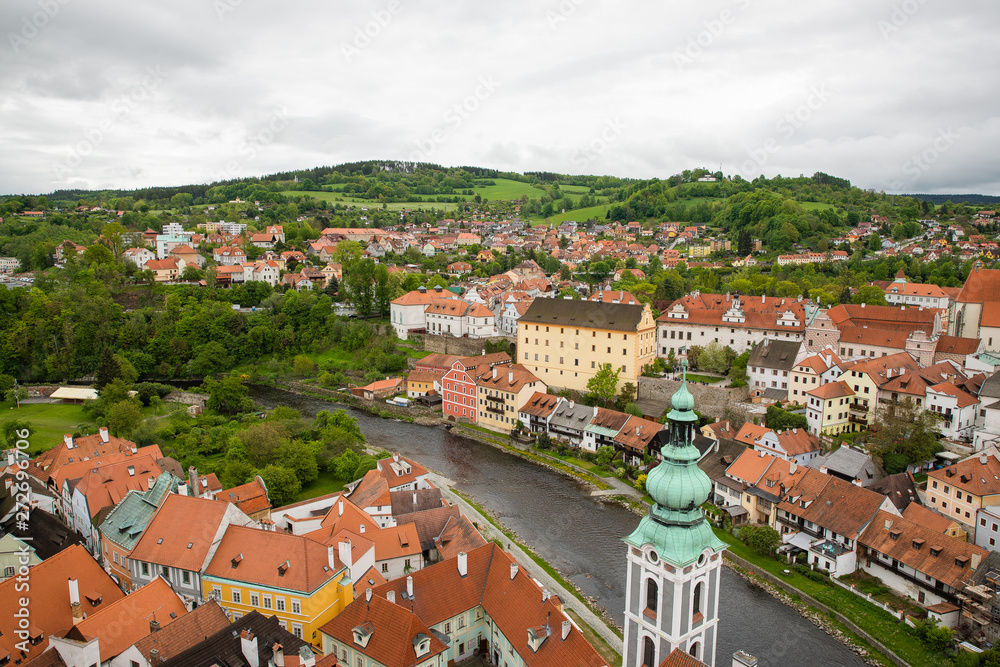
(958, 491)
(501, 392)
(563, 342)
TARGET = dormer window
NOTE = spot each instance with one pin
(363, 634)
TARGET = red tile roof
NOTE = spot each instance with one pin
(971, 476)
(925, 516)
(837, 389)
(273, 558)
(249, 498)
(48, 598)
(126, 621)
(176, 637)
(181, 521)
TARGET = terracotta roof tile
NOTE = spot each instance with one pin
(166, 538)
(925, 516)
(971, 476)
(48, 598)
(203, 621)
(837, 389)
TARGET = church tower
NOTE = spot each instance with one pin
(674, 558)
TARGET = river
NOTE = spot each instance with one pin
(581, 537)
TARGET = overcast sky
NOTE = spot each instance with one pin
(895, 95)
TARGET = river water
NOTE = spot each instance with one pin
(581, 537)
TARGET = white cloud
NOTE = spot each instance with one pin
(686, 84)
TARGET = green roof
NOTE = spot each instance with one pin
(675, 526)
(125, 524)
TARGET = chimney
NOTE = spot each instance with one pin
(344, 549)
(888, 524)
(279, 655)
(409, 587)
(743, 659)
(390, 596)
(463, 563)
(414, 497)
(154, 625)
(513, 570)
(566, 627)
(193, 480)
(494, 372)
(68, 439)
(340, 507)
(182, 489)
(824, 470)
(572, 404)
(510, 377)
(368, 595)
(248, 644)
(104, 433)
(974, 563)
(484, 351)
(331, 561)
(362, 529)
(74, 601)
(395, 457)
(792, 467)
(154, 656)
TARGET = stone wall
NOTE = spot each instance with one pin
(708, 400)
(466, 347)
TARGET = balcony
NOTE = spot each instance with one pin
(498, 410)
(858, 407)
(854, 419)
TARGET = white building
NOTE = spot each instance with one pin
(165, 243)
(957, 408)
(408, 312)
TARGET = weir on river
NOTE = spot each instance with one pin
(580, 536)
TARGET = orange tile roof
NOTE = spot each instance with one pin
(925, 516)
(750, 433)
(351, 517)
(882, 369)
(124, 622)
(48, 598)
(963, 399)
(839, 506)
(798, 441)
(539, 404)
(398, 470)
(273, 558)
(250, 497)
(971, 476)
(982, 285)
(874, 336)
(945, 558)
(883, 317)
(441, 592)
(750, 465)
(637, 433)
(511, 378)
(837, 389)
(759, 312)
(679, 658)
(458, 535)
(371, 491)
(395, 542)
(88, 446)
(957, 345)
(176, 637)
(107, 485)
(180, 521)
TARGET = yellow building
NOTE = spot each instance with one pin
(865, 378)
(501, 393)
(699, 251)
(277, 574)
(828, 409)
(563, 342)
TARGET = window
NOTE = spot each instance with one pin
(297, 630)
(652, 597)
(447, 628)
(185, 577)
(254, 600)
(296, 607)
(267, 602)
(144, 568)
(237, 598)
(696, 602)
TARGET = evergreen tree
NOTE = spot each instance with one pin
(107, 370)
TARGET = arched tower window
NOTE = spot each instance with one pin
(648, 652)
(696, 602)
(695, 650)
(652, 596)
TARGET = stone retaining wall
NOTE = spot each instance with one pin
(708, 400)
(466, 347)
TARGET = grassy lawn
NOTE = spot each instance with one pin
(578, 214)
(324, 484)
(870, 585)
(814, 205)
(507, 189)
(694, 377)
(50, 422)
(897, 636)
(340, 197)
(586, 465)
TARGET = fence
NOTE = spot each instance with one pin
(868, 596)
